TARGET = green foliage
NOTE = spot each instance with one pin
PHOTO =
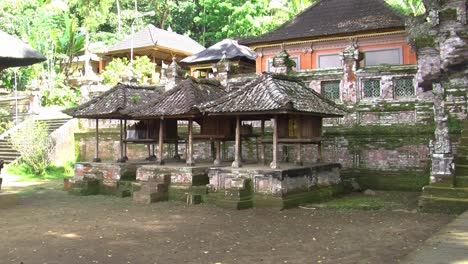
(5, 120)
(34, 144)
(51, 172)
(61, 94)
(114, 71)
(119, 67)
(408, 7)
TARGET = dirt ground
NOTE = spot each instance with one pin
(50, 226)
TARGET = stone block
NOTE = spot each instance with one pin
(66, 184)
(8, 200)
(149, 192)
(85, 187)
(109, 187)
(124, 188)
(147, 198)
(237, 194)
(194, 198)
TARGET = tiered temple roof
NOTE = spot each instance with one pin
(271, 93)
(335, 17)
(112, 103)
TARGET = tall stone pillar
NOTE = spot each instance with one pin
(440, 40)
(350, 57)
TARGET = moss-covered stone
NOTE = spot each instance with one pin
(401, 180)
(443, 205)
(448, 14)
(85, 187)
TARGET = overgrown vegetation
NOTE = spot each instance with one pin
(118, 68)
(34, 144)
(26, 173)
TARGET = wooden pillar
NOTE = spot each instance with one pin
(262, 147)
(161, 142)
(121, 159)
(217, 160)
(96, 151)
(274, 163)
(299, 145)
(237, 158)
(189, 160)
(125, 143)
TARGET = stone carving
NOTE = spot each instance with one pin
(442, 54)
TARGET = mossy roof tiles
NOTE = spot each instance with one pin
(113, 102)
(180, 100)
(271, 93)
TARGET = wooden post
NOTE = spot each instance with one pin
(274, 163)
(125, 143)
(96, 151)
(217, 160)
(189, 160)
(161, 142)
(121, 159)
(262, 147)
(299, 145)
(237, 158)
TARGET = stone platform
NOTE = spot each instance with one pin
(249, 186)
(261, 186)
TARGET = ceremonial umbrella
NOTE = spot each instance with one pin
(16, 53)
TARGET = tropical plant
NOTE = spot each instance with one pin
(34, 145)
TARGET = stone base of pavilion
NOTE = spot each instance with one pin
(251, 185)
(289, 186)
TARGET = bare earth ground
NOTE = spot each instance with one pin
(50, 226)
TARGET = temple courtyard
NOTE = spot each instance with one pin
(50, 226)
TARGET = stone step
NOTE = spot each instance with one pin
(433, 204)
(10, 154)
(461, 181)
(445, 192)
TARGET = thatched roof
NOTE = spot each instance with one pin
(112, 103)
(273, 94)
(180, 100)
(228, 47)
(15, 53)
(335, 17)
(151, 36)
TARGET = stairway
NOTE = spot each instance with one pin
(451, 197)
(8, 154)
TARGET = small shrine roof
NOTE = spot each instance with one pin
(151, 36)
(335, 17)
(227, 47)
(111, 103)
(271, 93)
(181, 99)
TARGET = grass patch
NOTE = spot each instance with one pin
(25, 173)
(382, 200)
